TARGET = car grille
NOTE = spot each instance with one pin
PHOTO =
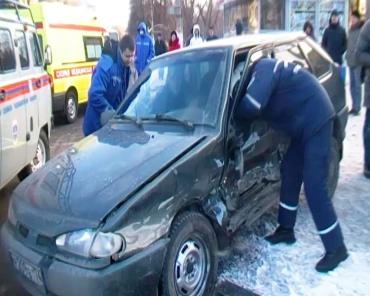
(41, 240)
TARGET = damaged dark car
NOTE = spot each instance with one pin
(142, 206)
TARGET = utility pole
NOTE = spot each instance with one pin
(367, 9)
(152, 17)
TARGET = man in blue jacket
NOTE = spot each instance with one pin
(113, 75)
(144, 48)
(294, 102)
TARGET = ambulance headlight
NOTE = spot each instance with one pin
(90, 243)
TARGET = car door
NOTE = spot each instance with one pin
(253, 173)
(13, 88)
(328, 73)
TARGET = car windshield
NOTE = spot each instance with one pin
(183, 87)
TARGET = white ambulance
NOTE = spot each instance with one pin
(25, 95)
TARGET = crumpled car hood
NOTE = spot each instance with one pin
(81, 186)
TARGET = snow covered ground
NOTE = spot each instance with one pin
(289, 270)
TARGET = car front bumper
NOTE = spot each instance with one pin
(136, 275)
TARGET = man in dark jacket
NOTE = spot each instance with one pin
(112, 77)
(363, 58)
(160, 46)
(294, 102)
(211, 34)
(334, 40)
(144, 52)
(354, 68)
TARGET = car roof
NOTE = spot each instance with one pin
(251, 40)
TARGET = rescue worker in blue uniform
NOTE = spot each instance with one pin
(113, 75)
(293, 102)
(144, 48)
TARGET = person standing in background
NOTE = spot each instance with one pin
(309, 30)
(144, 48)
(354, 67)
(160, 46)
(362, 53)
(174, 42)
(334, 40)
(197, 38)
(211, 34)
(239, 28)
(187, 43)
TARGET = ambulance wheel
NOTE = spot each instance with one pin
(333, 167)
(42, 155)
(190, 266)
(71, 106)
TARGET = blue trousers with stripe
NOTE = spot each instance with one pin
(307, 162)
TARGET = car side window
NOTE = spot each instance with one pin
(35, 49)
(22, 48)
(7, 57)
(292, 54)
(320, 66)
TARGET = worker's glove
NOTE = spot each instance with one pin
(106, 116)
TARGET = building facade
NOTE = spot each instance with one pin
(287, 15)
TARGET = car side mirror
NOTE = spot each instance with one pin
(48, 56)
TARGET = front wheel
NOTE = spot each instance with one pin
(334, 166)
(190, 267)
(71, 106)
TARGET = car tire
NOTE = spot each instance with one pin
(42, 155)
(334, 167)
(190, 266)
(71, 106)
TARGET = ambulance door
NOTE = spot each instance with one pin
(13, 88)
(38, 83)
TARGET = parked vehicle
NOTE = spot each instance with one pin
(72, 41)
(25, 97)
(141, 206)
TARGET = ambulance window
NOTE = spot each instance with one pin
(22, 48)
(93, 48)
(7, 58)
(36, 53)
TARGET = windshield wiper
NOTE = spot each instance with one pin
(135, 120)
(165, 117)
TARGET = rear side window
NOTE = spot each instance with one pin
(320, 66)
(36, 52)
(7, 57)
(292, 54)
(93, 48)
(22, 48)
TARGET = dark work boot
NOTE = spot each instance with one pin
(367, 171)
(332, 259)
(281, 235)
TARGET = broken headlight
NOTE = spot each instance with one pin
(91, 243)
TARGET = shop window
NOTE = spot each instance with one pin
(7, 57)
(290, 53)
(22, 49)
(272, 14)
(302, 11)
(93, 48)
(320, 66)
